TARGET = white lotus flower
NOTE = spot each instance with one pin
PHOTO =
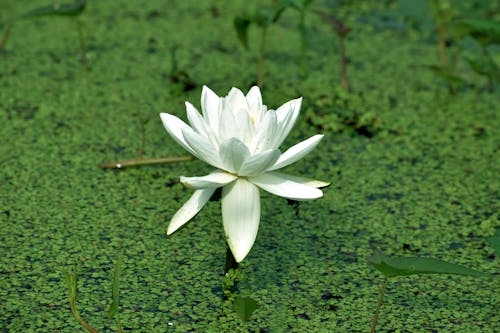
(240, 137)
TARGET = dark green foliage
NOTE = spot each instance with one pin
(401, 266)
(57, 9)
(244, 307)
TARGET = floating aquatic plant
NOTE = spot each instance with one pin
(72, 10)
(402, 266)
(240, 137)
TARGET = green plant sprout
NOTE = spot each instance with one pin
(113, 310)
(302, 6)
(72, 10)
(342, 31)
(403, 266)
(443, 15)
(72, 284)
(263, 18)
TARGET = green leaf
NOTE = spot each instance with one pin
(401, 266)
(241, 25)
(265, 15)
(446, 75)
(66, 9)
(484, 66)
(244, 307)
(113, 309)
(494, 242)
(486, 32)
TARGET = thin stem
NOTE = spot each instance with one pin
(5, 37)
(303, 59)
(379, 304)
(260, 79)
(143, 140)
(442, 46)
(139, 161)
(230, 280)
(230, 261)
(83, 47)
(345, 78)
(72, 283)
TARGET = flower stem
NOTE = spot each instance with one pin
(260, 79)
(83, 47)
(303, 59)
(140, 161)
(379, 305)
(5, 37)
(231, 276)
(230, 261)
(345, 78)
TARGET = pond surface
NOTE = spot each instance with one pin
(413, 171)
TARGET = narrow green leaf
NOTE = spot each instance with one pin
(446, 75)
(241, 25)
(401, 266)
(113, 309)
(66, 9)
(244, 307)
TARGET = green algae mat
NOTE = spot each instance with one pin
(411, 149)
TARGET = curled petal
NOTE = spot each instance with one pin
(174, 127)
(190, 209)
(296, 152)
(259, 163)
(214, 179)
(284, 186)
(302, 180)
(240, 216)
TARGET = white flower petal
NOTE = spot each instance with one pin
(254, 100)
(265, 135)
(296, 152)
(195, 119)
(202, 147)
(235, 100)
(211, 108)
(302, 180)
(283, 186)
(259, 163)
(214, 179)
(190, 209)
(240, 216)
(174, 127)
(199, 124)
(287, 116)
(233, 153)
